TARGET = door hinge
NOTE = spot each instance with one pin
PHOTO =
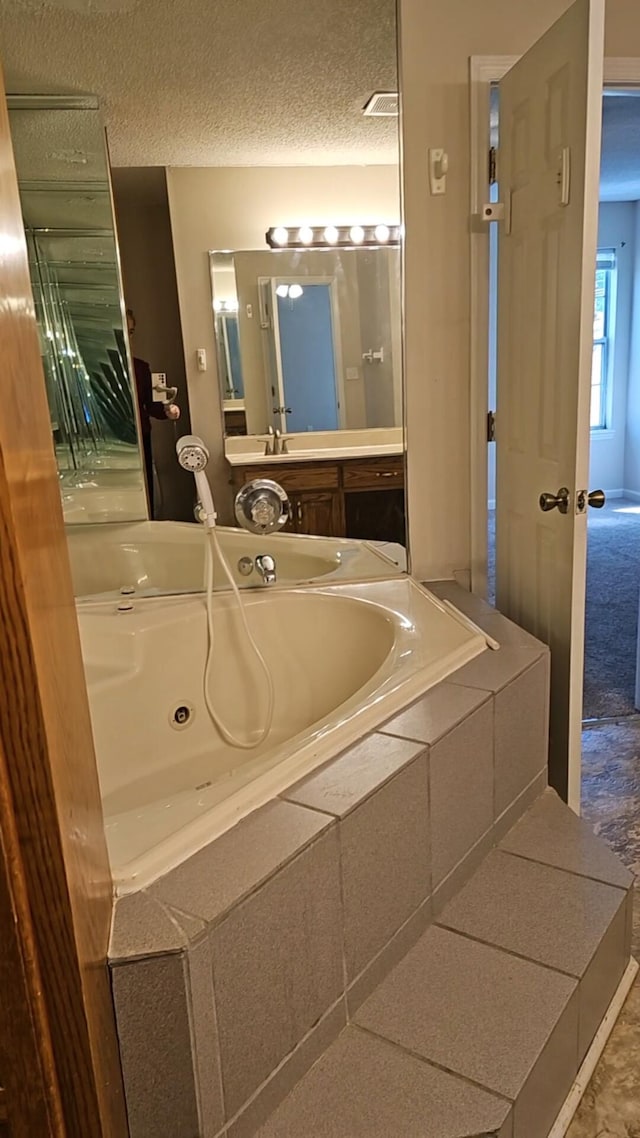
(491, 426)
(493, 165)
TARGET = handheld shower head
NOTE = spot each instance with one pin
(192, 453)
(193, 456)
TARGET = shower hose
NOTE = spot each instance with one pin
(213, 544)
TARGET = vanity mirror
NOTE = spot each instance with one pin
(65, 195)
(308, 339)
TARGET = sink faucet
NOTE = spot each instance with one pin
(270, 442)
(280, 443)
(266, 567)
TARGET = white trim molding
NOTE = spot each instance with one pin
(483, 72)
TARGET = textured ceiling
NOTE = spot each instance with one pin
(215, 82)
(620, 167)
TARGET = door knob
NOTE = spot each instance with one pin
(596, 499)
(559, 501)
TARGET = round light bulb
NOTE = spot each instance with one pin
(305, 235)
(356, 233)
(218, 305)
(280, 235)
(331, 235)
(382, 234)
(295, 291)
(282, 290)
(233, 305)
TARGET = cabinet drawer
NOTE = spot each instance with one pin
(373, 473)
(302, 476)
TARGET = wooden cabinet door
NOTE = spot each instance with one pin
(318, 512)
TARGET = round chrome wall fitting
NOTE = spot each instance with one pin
(262, 506)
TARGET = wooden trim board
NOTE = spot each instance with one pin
(54, 871)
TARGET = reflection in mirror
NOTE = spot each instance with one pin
(308, 340)
(66, 205)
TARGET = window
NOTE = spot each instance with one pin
(603, 321)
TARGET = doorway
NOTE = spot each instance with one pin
(304, 355)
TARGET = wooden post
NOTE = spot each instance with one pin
(55, 886)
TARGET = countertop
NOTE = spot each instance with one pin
(375, 450)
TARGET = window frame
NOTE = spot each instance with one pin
(606, 261)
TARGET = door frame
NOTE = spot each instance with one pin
(484, 70)
(335, 331)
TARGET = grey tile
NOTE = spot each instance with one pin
(365, 1088)
(343, 783)
(601, 978)
(486, 617)
(152, 1016)
(471, 605)
(545, 914)
(385, 858)
(461, 790)
(454, 881)
(471, 1008)
(551, 1079)
(492, 671)
(204, 1032)
(435, 713)
(521, 733)
(510, 635)
(289, 1074)
(277, 967)
(381, 965)
(509, 817)
(230, 868)
(550, 832)
(142, 926)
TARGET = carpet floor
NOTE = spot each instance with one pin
(613, 594)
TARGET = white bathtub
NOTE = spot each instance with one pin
(153, 558)
(344, 659)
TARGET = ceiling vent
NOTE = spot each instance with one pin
(382, 104)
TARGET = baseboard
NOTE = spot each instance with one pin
(615, 494)
(591, 1059)
(634, 495)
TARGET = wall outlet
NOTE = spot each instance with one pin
(353, 373)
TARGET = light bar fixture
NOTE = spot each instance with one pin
(333, 236)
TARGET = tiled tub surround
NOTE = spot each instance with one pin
(289, 978)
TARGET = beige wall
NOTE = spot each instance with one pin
(222, 208)
(146, 254)
(436, 41)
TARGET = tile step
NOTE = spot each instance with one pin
(482, 1027)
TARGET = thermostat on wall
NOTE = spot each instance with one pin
(159, 386)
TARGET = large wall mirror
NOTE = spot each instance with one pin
(262, 260)
(65, 195)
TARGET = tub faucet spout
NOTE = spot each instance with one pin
(266, 567)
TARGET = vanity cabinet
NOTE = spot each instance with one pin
(319, 512)
(353, 497)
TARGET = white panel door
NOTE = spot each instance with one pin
(549, 165)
